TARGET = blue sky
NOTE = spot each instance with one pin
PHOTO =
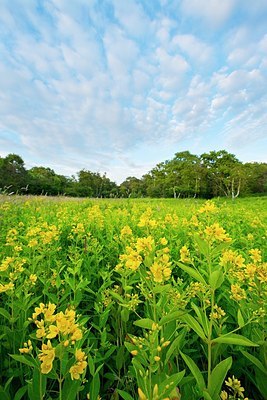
(117, 86)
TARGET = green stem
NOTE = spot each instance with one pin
(210, 338)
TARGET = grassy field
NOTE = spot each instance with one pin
(133, 299)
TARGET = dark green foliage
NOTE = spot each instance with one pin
(213, 174)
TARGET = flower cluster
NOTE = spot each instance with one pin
(236, 391)
(185, 255)
(215, 232)
(61, 326)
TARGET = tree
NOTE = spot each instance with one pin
(45, 181)
(13, 174)
(92, 184)
(183, 174)
(256, 178)
(224, 173)
(131, 187)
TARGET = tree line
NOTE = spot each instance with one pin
(217, 173)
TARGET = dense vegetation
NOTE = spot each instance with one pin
(133, 299)
(186, 175)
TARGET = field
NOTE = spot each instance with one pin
(133, 299)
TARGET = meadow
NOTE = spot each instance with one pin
(133, 299)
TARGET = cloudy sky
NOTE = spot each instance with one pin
(117, 86)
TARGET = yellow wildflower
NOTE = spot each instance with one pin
(5, 263)
(145, 245)
(47, 357)
(235, 385)
(126, 231)
(79, 367)
(237, 293)
(6, 287)
(141, 394)
(185, 255)
(255, 255)
(216, 232)
(33, 279)
(209, 207)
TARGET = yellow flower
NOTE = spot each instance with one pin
(185, 255)
(163, 241)
(224, 395)
(209, 207)
(53, 332)
(216, 232)
(237, 293)
(47, 357)
(255, 255)
(38, 310)
(49, 312)
(235, 384)
(160, 270)
(6, 287)
(145, 245)
(141, 394)
(79, 367)
(33, 278)
(126, 231)
(76, 334)
(5, 263)
(41, 332)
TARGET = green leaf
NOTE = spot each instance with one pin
(20, 393)
(173, 316)
(95, 387)
(91, 365)
(172, 381)
(116, 296)
(232, 338)
(192, 272)
(255, 361)
(174, 346)
(37, 388)
(125, 395)
(195, 371)
(145, 323)
(240, 319)
(3, 395)
(120, 357)
(193, 324)
(216, 279)
(207, 396)
(70, 389)
(25, 360)
(203, 246)
(125, 315)
(5, 313)
(218, 376)
(202, 318)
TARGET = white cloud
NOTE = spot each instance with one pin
(132, 17)
(213, 12)
(197, 50)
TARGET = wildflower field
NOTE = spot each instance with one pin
(133, 299)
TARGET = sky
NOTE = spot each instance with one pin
(118, 86)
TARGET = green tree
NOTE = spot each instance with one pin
(132, 187)
(224, 173)
(256, 178)
(45, 181)
(183, 175)
(13, 175)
